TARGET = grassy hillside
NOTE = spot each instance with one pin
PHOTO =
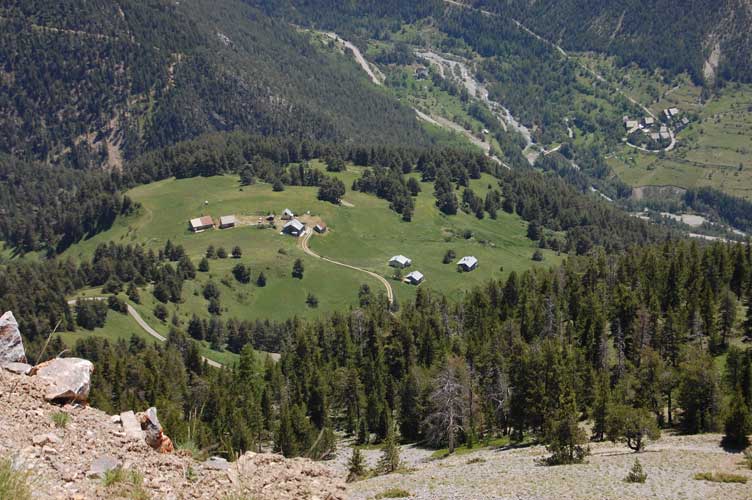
(366, 234)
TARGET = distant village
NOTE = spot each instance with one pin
(653, 135)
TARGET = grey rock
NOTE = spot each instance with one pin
(69, 379)
(69, 475)
(217, 463)
(19, 368)
(102, 465)
(11, 343)
(43, 439)
(131, 426)
(49, 450)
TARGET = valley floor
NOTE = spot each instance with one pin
(504, 473)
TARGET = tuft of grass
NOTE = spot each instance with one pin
(720, 477)
(464, 450)
(393, 493)
(748, 458)
(60, 419)
(125, 483)
(476, 460)
(13, 483)
(113, 476)
(190, 446)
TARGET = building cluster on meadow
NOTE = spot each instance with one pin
(295, 227)
(292, 226)
(465, 264)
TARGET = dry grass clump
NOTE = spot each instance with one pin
(721, 477)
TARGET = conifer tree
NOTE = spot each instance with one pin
(355, 466)
(600, 406)
(636, 474)
(738, 422)
(390, 453)
(203, 265)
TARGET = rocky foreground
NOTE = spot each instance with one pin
(70, 461)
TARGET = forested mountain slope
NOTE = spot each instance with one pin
(708, 39)
(95, 82)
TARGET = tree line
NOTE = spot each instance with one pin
(626, 341)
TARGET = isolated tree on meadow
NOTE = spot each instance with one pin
(297, 269)
(203, 265)
(242, 273)
(237, 252)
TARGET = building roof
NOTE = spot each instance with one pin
(631, 124)
(415, 276)
(674, 111)
(295, 224)
(649, 120)
(288, 213)
(227, 220)
(655, 136)
(468, 261)
(401, 259)
(204, 221)
(665, 135)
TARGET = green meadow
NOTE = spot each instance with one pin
(365, 234)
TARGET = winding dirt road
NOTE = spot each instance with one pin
(148, 329)
(304, 245)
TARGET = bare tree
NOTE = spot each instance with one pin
(449, 399)
(499, 393)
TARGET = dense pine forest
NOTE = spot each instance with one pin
(664, 34)
(89, 84)
(617, 339)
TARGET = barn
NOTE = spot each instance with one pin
(415, 278)
(227, 221)
(201, 223)
(294, 228)
(467, 263)
(400, 261)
